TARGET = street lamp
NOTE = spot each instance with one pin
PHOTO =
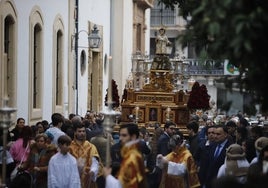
(5, 122)
(94, 40)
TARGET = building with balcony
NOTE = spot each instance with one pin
(208, 72)
(47, 64)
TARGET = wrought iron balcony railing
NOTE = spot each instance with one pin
(205, 67)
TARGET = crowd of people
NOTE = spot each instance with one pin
(71, 152)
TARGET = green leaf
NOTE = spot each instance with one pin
(198, 10)
(214, 28)
(247, 46)
(239, 27)
(226, 3)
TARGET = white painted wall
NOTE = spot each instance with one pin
(116, 18)
(89, 10)
(122, 44)
(48, 14)
(97, 12)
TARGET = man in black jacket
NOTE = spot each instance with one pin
(162, 144)
(217, 153)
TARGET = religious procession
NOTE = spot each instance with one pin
(133, 94)
(72, 152)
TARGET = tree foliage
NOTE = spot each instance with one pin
(234, 30)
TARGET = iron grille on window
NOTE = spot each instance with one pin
(161, 16)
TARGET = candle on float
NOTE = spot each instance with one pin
(110, 98)
(137, 112)
(168, 113)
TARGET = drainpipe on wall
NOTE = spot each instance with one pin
(76, 55)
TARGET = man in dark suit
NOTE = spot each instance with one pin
(162, 144)
(202, 153)
(217, 153)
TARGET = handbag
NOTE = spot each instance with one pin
(15, 172)
(22, 179)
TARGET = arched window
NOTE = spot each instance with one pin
(58, 65)
(36, 64)
(8, 63)
(37, 68)
(59, 70)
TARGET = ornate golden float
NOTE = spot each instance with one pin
(152, 94)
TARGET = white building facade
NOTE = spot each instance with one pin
(46, 63)
(34, 56)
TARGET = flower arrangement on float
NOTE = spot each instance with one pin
(115, 95)
(198, 98)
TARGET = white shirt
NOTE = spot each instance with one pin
(63, 172)
(9, 158)
(94, 168)
(254, 160)
(112, 182)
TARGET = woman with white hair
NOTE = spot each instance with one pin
(235, 164)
